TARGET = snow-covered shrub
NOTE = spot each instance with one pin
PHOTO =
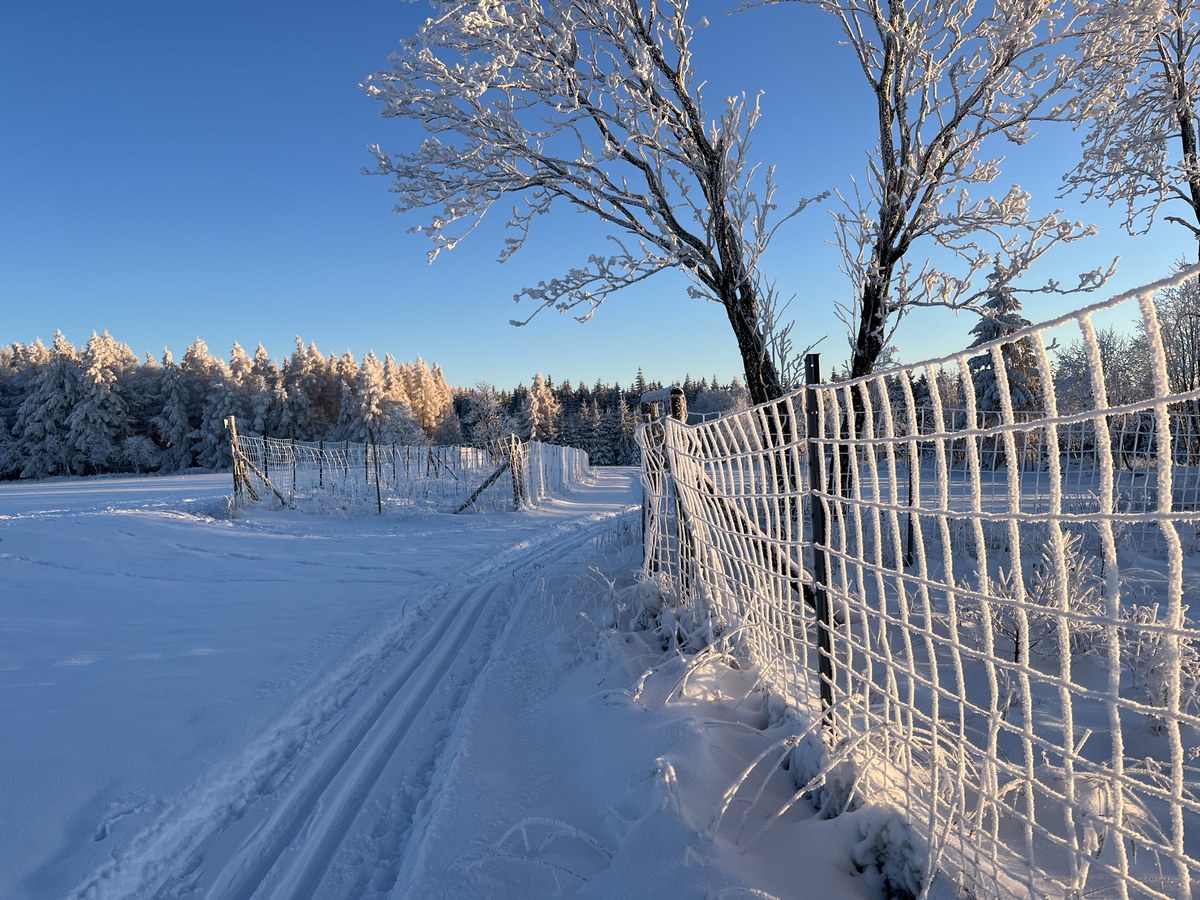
(1083, 589)
(140, 453)
(963, 538)
(1153, 659)
(889, 853)
(1038, 629)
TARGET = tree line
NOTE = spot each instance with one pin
(99, 409)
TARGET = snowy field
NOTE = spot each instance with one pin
(291, 705)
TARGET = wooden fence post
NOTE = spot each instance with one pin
(820, 539)
(514, 466)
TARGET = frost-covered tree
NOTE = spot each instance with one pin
(542, 414)
(596, 105)
(140, 453)
(1126, 371)
(948, 80)
(171, 426)
(485, 417)
(429, 397)
(99, 420)
(41, 429)
(301, 380)
(240, 366)
(1179, 322)
(10, 455)
(213, 449)
(1138, 88)
(363, 407)
(719, 401)
(1001, 316)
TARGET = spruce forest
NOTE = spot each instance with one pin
(99, 409)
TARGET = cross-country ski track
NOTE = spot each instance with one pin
(285, 705)
(271, 823)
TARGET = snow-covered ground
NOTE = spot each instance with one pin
(291, 705)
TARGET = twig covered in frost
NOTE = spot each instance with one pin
(596, 106)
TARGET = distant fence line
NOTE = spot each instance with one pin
(506, 474)
(984, 617)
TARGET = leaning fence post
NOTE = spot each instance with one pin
(234, 449)
(820, 537)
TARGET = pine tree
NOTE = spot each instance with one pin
(212, 439)
(543, 412)
(99, 421)
(240, 366)
(171, 426)
(41, 428)
(1002, 317)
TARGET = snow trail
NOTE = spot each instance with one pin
(270, 822)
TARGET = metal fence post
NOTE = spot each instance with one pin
(820, 537)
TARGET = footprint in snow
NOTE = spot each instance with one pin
(546, 857)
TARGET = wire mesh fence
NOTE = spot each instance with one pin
(985, 612)
(340, 475)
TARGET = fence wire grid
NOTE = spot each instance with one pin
(328, 475)
(1011, 666)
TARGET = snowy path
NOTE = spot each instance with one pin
(365, 708)
(289, 853)
(189, 692)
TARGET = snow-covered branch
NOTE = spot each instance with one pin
(1136, 91)
(596, 106)
(949, 79)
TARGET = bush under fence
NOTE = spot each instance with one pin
(340, 475)
(983, 619)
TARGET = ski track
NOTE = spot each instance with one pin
(289, 852)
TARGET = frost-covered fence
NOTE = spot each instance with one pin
(1012, 669)
(320, 475)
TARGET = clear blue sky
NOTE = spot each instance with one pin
(190, 169)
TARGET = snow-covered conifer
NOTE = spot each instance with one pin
(171, 426)
(99, 420)
(41, 429)
(213, 450)
(1001, 316)
(542, 413)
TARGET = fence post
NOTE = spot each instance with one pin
(514, 465)
(234, 450)
(378, 492)
(820, 537)
(648, 413)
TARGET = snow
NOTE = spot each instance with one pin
(289, 705)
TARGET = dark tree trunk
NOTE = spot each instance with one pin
(762, 378)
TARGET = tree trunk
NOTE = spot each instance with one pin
(868, 343)
(762, 378)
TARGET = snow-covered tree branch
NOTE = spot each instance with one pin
(948, 79)
(1137, 89)
(594, 105)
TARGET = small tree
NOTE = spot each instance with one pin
(543, 413)
(1001, 316)
(597, 105)
(484, 416)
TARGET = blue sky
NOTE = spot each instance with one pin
(179, 170)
